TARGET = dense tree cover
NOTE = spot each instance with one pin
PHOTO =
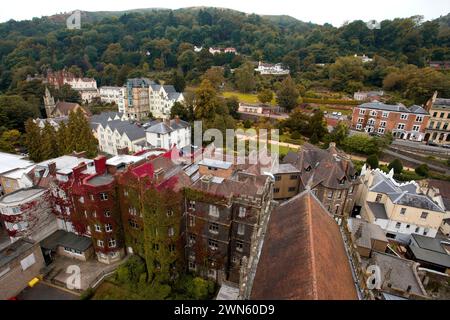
(114, 46)
(46, 143)
(312, 126)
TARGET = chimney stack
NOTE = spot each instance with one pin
(100, 164)
(52, 168)
(177, 119)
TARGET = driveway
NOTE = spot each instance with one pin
(43, 291)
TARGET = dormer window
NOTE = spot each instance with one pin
(342, 181)
(308, 169)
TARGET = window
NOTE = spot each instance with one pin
(169, 212)
(276, 190)
(408, 226)
(330, 194)
(362, 111)
(172, 248)
(125, 193)
(401, 126)
(239, 246)
(442, 115)
(171, 231)
(191, 239)
(278, 178)
(435, 114)
(108, 227)
(241, 229)
(294, 177)
(360, 120)
(425, 231)
(373, 113)
(385, 114)
(156, 246)
(192, 205)
(381, 130)
(132, 211)
(403, 116)
(98, 228)
(402, 211)
(213, 244)
(214, 228)
(133, 224)
(378, 198)
(339, 195)
(419, 118)
(81, 199)
(417, 230)
(350, 191)
(371, 122)
(398, 225)
(424, 215)
(292, 189)
(192, 266)
(213, 211)
(112, 243)
(416, 128)
(358, 127)
(383, 124)
(103, 196)
(336, 211)
(100, 243)
(242, 212)
(191, 221)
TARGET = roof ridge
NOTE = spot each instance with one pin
(311, 245)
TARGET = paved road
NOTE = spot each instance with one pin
(43, 291)
(400, 156)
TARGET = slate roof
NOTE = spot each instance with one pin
(140, 82)
(414, 200)
(133, 131)
(441, 102)
(364, 232)
(303, 255)
(163, 127)
(327, 167)
(430, 250)
(66, 239)
(395, 108)
(66, 107)
(378, 210)
(10, 162)
(444, 190)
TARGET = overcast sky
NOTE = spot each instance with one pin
(318, 11)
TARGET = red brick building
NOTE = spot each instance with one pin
(404, 123)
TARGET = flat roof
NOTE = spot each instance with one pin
(65, 164)
(286, 168)
(378, 210)
(66, 239)
(10, 162)
(20, 195)
(101, 180)
(123, 159)
(14, 250)
(215, 163)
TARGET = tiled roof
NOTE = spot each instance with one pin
(132, 131)
(326, 167)
(303, 256)
(396, 108)
(163, 127)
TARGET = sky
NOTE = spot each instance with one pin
(318, 11)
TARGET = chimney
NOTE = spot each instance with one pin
(100, 164)
(122, 151)
(177, 119)
(52, 168)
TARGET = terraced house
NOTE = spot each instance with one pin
(438, 129)
(401, 209)
(380, 118)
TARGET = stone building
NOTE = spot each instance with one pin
(438, 129)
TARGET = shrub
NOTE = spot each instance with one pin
(372, 161)
(397, 165)
(423, 170)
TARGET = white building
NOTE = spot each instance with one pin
(215, 50)
(274, 69)
(364, 58)
(367, 95)
(400, 209)
(162, 98)
(113, 95)
(81, 83)
(198, 49)
(168, 133)
(114, 135)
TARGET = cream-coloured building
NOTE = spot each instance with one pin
(162, 98)
(438, 129)
(401, 209)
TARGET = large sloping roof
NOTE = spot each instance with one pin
(303, 257)
(326, 167)
(66, 239)
(376, 105)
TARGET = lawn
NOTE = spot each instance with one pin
(245, 97)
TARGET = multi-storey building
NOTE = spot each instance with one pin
(11, 168)
(162, 98)
(87, 87)
(113, 95)
(404, 123)
(224, 210)
(60, 108)
(401, 209)
(328, 173)
(275, 69)
(137, 105)
(438, 129)
(168, 133)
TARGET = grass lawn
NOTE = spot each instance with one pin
(110, 291)
(245, 97)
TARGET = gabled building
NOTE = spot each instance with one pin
(162, 98)
(168, 133)
(400, 209)
(60, 108)
(328, 173)
(431, 253)
(380, 118)
(113, 95)
(303, 256)
(136, 97)
(438, 129)
(273, 69)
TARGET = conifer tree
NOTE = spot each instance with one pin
(33, 140)
(80, 134)
(63, 139)
(49, 145)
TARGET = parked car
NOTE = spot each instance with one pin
(446, 146)
(432, 143)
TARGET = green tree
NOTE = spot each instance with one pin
(339, 133)
(180, 110)
(49, 144)
(265, 96)
(33, 140)
(215, 76)
(397, 165)
(287, 95)
(206, 100)
(423, 170)
(10, 140)
(63, 139)
(80, 133)
(314, 139)
(372, 161)
(178, 81)
(245, 78)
